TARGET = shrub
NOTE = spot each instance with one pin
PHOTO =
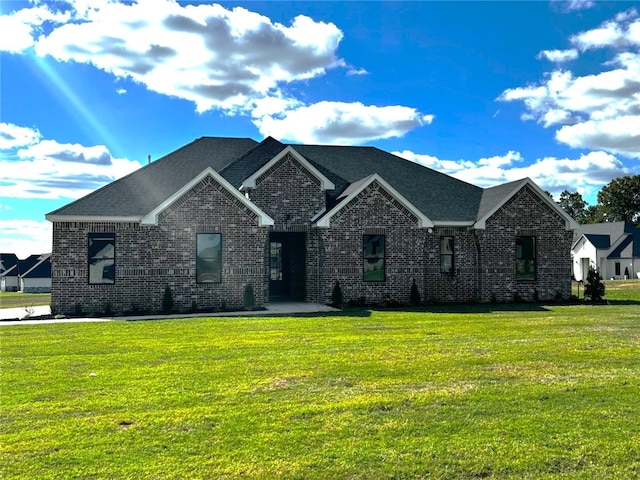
(194, 307)
(336, 295)
(108, 309)
(249, 300)
(415, 294)
(53, 308)
(594, 286)
(77, 309)
(167, 300)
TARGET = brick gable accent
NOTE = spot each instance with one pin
(339, 247)
(525, 214)
(289, 194)
(150, 257)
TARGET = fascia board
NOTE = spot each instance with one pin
(325, 183)
(456, 223)
(570, 223)
(575, 244)
(152, 217)
(423, 220)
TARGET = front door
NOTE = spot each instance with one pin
(287, 266)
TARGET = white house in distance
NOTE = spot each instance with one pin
(612, 248)
(31, 275)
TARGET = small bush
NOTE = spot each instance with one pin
(167, 300)
(54, 309)
(536, 295)
(357, 302)
(108, 309)
(336, 295)
(249, 299)
(415, 294)
(594, 286)
(78, 309)
(194, 307)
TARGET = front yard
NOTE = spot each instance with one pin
(526, 391)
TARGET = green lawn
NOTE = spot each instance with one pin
(526, 392)
(20, 300)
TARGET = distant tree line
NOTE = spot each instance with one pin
(618, 201)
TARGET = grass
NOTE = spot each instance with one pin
(19, 299)
(523, 391)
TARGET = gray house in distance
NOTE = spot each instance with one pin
(291, 220)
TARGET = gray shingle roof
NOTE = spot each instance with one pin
(141, 191)
(438, 196)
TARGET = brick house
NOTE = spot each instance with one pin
(291, 220)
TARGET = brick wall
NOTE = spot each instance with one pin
(525, 214)
(150, 257)
(461, 285)
(289, 194)
(341, 252)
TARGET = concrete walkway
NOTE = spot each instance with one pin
(275, 308)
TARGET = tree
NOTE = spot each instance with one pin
(594, 286)
(573, 204)
(594, 214)
(620, 199)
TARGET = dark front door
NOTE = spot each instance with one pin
(286, 266)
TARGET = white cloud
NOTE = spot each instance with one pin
(341, 123)
(36, 168)
(586, 174)
(559, 56)
(207, 54)
(572, 5)
(13, 136)
(598, 111)
(357, 71)
(233, 60)
(19, 29)
(25, 237)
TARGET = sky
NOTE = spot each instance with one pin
(488, 92)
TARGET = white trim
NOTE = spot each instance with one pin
(91, 218)
(152, 217)
(458, 223)
(325, 183)
(423, 220)
(570, 223)
(319, 214)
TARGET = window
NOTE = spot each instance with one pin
(102, 258)
(617, 268)
(446, 255)
(208, 258)
(275, 256)
(525, 258)
(373, 258)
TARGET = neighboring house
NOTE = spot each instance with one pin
(33, 274)
(8, 272)
(37, 279)
(612, 248)
(291, 220)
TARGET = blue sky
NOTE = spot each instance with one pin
(488, 92)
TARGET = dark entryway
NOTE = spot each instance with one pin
(287, 266)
